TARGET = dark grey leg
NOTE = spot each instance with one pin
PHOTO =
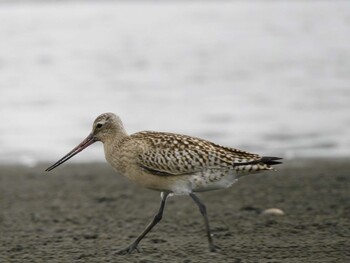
(156, 219)
(203, 211)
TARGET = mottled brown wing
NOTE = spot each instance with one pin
(174, 154)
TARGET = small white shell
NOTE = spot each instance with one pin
(273, 211)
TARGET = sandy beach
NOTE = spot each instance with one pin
(86, 212)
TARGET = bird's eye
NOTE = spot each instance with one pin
(99, 125)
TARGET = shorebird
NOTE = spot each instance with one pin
(173, 164)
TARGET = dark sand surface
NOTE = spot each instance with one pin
(85, 213)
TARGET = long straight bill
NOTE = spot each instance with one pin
(85, 143)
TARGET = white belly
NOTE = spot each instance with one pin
(205, 181)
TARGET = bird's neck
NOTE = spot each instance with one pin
(112, 147)
(116, 137)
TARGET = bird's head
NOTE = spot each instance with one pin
(106, 127)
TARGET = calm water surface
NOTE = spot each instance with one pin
(269, 77)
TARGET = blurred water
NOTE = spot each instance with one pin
(270, 77)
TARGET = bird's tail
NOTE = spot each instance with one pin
(270, 160)
(258, 165)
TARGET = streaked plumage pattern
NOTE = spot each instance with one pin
(202, 164)
(180, 154)
(170, 163)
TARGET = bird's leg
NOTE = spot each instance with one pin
(203, 211)
(156, 219)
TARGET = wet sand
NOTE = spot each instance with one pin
(85, 213)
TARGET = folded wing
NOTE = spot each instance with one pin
(174, 154)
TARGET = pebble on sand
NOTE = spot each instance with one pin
(273, 211)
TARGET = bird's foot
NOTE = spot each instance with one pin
(128, 250)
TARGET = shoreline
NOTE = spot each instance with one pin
(85, 213)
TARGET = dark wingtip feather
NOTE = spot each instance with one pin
(265, 160)
(270, 160)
